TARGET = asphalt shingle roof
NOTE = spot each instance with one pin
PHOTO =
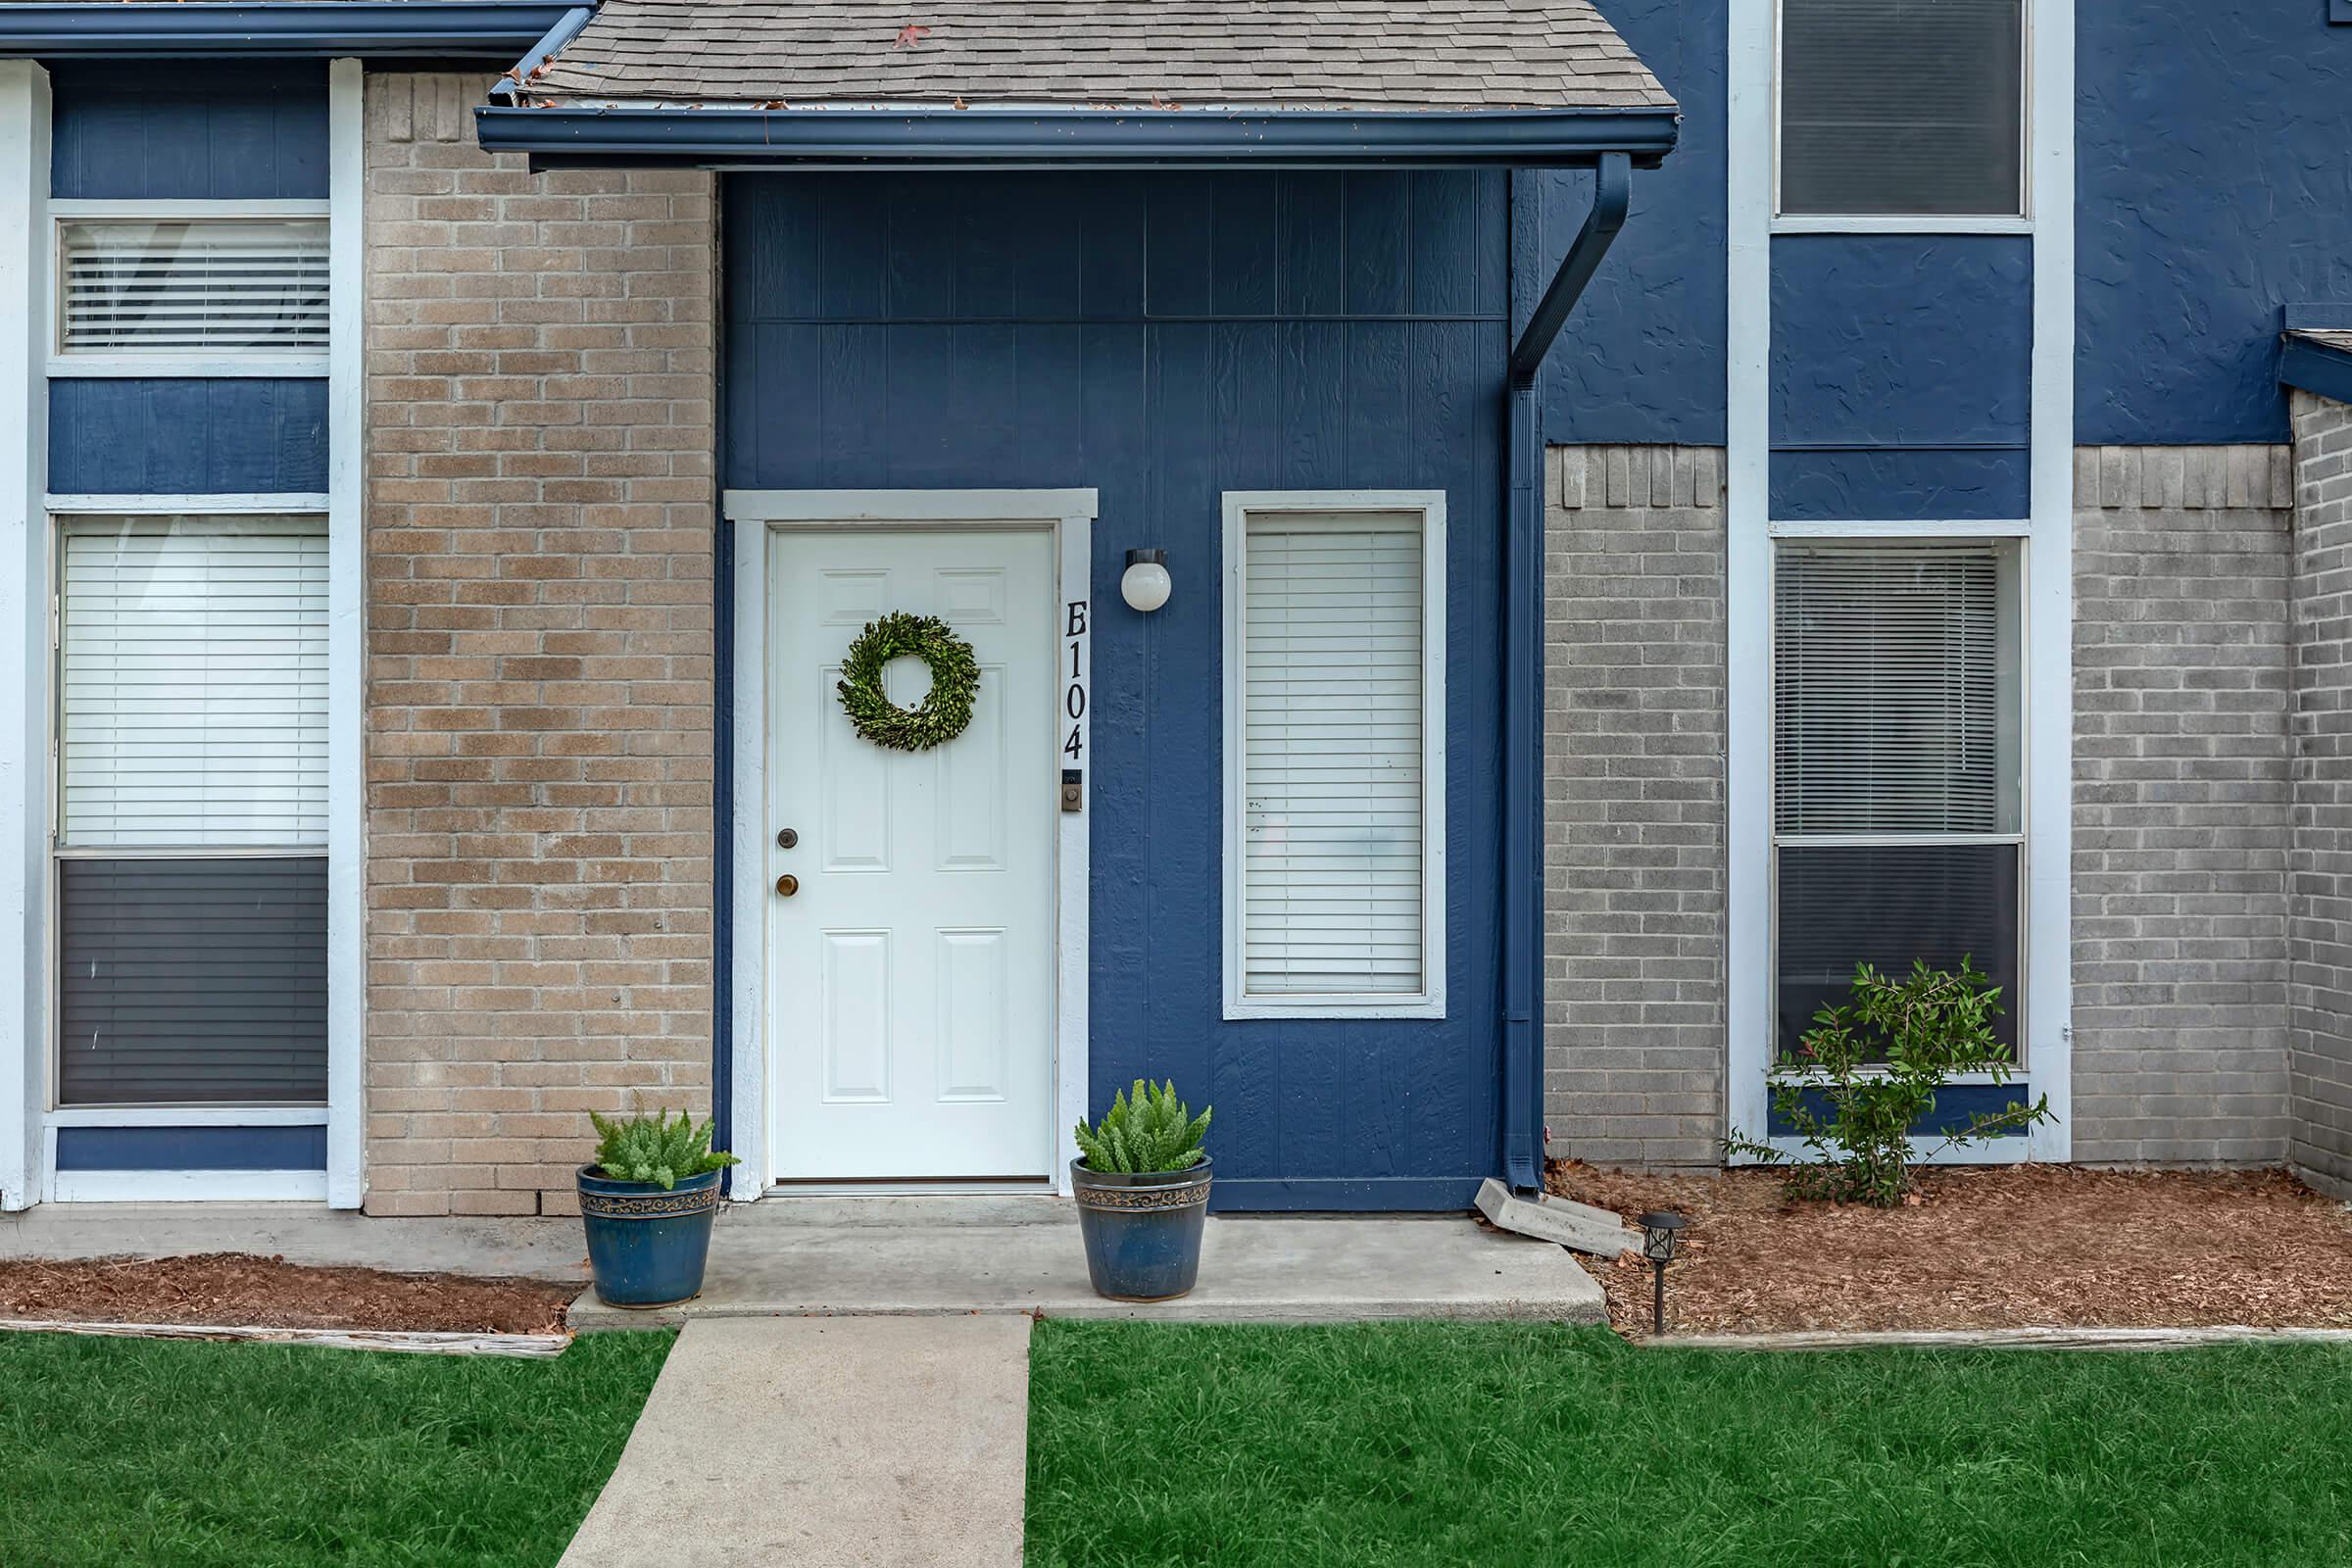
(1332, 54)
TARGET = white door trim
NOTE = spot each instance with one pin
(753, 514)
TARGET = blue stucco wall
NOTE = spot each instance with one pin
(1164, 339)
(121, 129)
(1642, 358)
(1901, 376)
(2213, 185)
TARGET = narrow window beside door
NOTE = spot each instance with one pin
(1897, 769)
(191, 822)
(1335, 759)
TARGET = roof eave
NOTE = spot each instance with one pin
(441, 29)
(2314, 366)
(740, 137)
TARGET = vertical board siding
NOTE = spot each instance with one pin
(222, 132)
(1165, 339)
(166, 436)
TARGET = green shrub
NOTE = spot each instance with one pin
(1153, 1131)
(654, 1149)
(1878, 1061)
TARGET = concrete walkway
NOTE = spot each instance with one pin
(825, 1442)
(916, 1255)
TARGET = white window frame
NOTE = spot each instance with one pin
(2020, 221)
(1429, 1001)
(2014, 561)
(90, 364)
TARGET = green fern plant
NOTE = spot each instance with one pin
(654, 1149)
(1152, 1131)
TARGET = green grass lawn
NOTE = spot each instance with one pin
(1425, 1444)
(136, 1451)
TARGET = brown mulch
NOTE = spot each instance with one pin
(236, 1289)
(2008, 1247)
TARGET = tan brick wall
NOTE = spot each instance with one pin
(540, 364)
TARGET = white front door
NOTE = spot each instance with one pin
(910, 995)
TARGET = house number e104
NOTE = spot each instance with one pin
(1073, 692)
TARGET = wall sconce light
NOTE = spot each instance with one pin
(1660, 1233)
(1144, 584)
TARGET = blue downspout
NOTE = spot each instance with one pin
(1523, 655)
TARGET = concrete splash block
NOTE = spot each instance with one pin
(1575, 1225)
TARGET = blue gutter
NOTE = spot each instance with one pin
(570, 136)
(1523, 655)
(498, 30)
(517, 80)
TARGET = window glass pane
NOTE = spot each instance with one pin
(1887, 904)
(192, 981)
(1332, 825)
(1895, 705)
(1901, 105)
(223, 286)
(192, 682)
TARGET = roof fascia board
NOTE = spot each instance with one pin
(2315, 368)
(498, 30)
(559, 136)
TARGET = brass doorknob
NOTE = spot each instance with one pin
(787, 884)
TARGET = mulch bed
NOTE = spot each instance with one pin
(2007, 1246)
(235, 1289)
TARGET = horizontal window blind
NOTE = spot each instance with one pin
(193, 683)
(1888, 691)
(192, 981)
(1332, 651)
(200, 286)
(1902, 106)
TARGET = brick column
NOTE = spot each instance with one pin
(1633, 806)
(2320, 860)
(540, 362)
(2180, 803)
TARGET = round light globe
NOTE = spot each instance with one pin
(1146, 584)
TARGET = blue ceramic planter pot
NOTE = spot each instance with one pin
(647, 1246)
(1142, 1233)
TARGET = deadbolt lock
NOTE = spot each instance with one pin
(787, 837)
(787, 884)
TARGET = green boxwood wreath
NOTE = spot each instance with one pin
(955, 682)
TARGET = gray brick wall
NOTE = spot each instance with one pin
(1633, 803)
(2320, 938)
(2181, 802)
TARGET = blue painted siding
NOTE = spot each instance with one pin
(134, 436)
(191, 1148)
(1642, 358)
(1164, 339)
(221, 132)
(2212, 187)
(1954, 1106)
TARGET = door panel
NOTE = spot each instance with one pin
(913, 969)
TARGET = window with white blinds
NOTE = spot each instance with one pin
(1902, 106)
(1335, 760)
(200, 286)
(1897, 768)
(192, 696)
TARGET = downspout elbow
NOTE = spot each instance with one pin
(1612, 195)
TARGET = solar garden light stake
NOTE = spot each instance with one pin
(1661, 1231)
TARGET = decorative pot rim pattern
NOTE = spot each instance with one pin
(611, 1199)
(1138, 1192)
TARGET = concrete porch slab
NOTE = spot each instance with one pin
(862, 1256)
